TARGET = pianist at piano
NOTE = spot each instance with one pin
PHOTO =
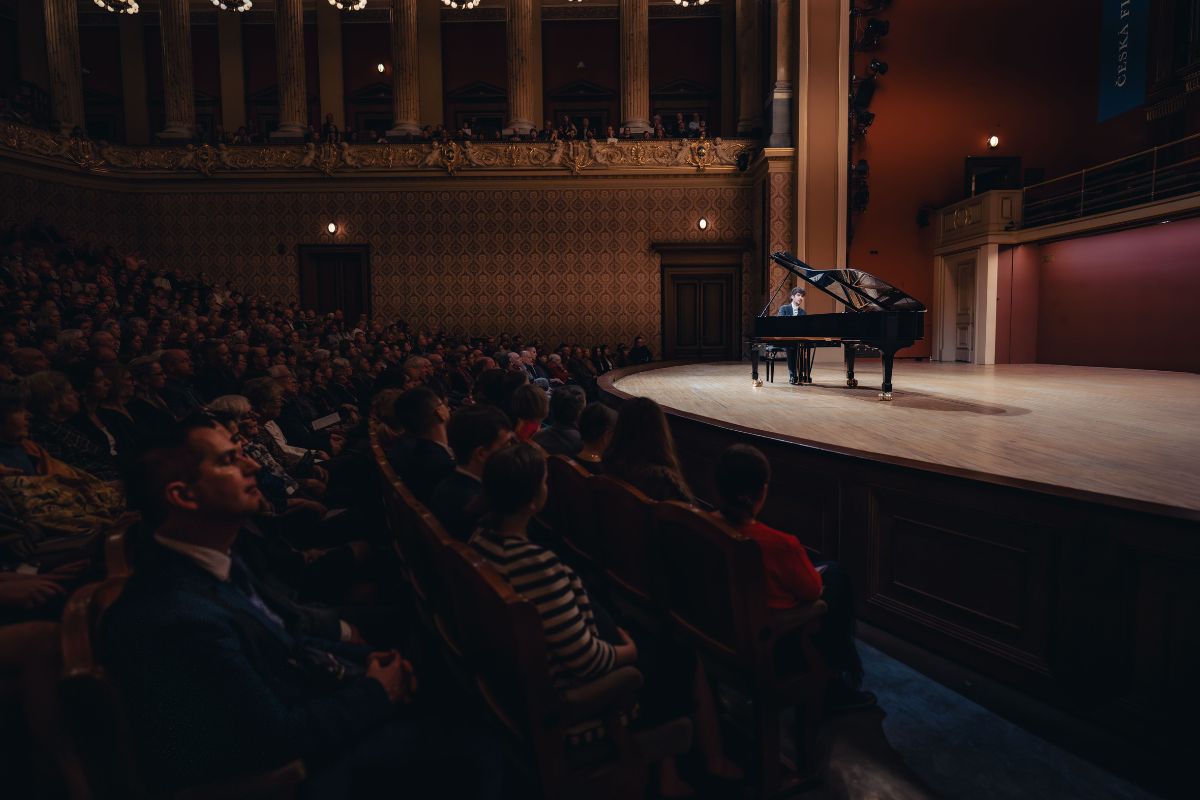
(795, 308)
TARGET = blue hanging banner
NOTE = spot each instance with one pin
(1123, 56)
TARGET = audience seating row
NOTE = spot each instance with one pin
(492, 638)
(683, 571)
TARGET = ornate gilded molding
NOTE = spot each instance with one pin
(683, 155)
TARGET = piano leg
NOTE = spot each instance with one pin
(849, 354)
(807, 354)
(887, 356)
(754, 365)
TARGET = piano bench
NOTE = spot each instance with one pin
(770, 352)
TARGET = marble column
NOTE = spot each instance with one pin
(783, 52)
(289, 60)
(66, 72)
(179, 93)
(133, 79)
(749, 67)
(519, 29)
(635, 65)
(406, 70)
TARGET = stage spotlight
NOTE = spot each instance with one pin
(875, 30)
(863, 93)
(993, 142)
(878, 67)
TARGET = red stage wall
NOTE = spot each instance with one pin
(958, 73)
(1125, 299)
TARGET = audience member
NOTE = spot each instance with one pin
(474, 435)
(562, 437)
(220, 677)
(742, 477)
(642, 452)
(596, 426)
(528, 408)
(421, 456)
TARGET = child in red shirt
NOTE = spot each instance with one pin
(742, 476)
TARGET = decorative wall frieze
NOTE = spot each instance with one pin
(684, 156)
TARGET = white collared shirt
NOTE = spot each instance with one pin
(214, 562)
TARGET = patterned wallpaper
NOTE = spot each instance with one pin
(560, 263)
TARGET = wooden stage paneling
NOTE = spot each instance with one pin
(1040, 524)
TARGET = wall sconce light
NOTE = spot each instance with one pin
(702, 224)
(993, 142)
(332, 227)
(380, 67)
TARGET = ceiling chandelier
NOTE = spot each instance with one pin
(119, 6)
(234, 5)
(686, 3)
(348, 5)
(465, 5)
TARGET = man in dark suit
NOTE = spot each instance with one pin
(795, 308)
(220, 676)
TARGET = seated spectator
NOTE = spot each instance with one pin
(147, 405)
(596, 426)
(581, 642)
(600, 359)
(742, 477)
(528, 407)
(178, 390)
(642, 452)
(421, 457)
(114, 410)
(221, 676)
(54, 403)
(562, 437)
(556, 369)
(474, 435)
(640, 353)
(28, 360)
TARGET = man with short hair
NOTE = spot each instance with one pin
(794, 308)
(562, 436)
(474, 434)
(219, 677)
(421, 457)
(640, 353)
(177, 390)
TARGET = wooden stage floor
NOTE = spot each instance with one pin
(1132, 434)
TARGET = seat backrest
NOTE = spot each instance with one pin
(711, 581)
(404, 513)
(92, 704)
(569, 507)
(624, 522)
(501, 636)
(119, 546)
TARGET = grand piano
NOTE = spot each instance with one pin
(878, 317)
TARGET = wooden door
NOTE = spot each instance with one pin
(964, 311)
(700, 312)
(336, 277)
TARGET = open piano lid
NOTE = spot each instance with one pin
(858, 290)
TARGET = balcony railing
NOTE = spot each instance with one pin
(1163, 172)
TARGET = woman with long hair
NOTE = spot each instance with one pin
(642, 452)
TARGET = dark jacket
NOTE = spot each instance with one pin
(559, 440)
(457, 502)
(421, 464)
(214, 688)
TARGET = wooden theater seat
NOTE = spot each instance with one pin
(624, 518)
(712, 584)
(96, 718)
(501, 634)
(569, 510)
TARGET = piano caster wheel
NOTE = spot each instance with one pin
(757, 384)
(852, 383)
(885, 396)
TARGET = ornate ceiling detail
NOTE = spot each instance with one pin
(686, 156)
